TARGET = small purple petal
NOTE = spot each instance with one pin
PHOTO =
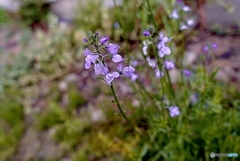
(205, 48)
(87, 52)
(174, 14)
(128, 71)
(163, 50)
(104, 39)
(99, 68)
(158, 73)
(117, 58)
(119, 67)
(169, 64)
(113, 49)
(87, 63)
(110, 77)
(105, 70)
(214, 46)
(144, 49)
(93, 58)
(187, 73)
(134, 77)
(146, 33)
(85, 40)
(151, 62)
(186, 8)
(174, 111)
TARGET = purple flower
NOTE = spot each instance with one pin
(116, 25)
(134, 77)
(162, 49)
(186, 8)
(187, 73)
(174, 14)
(151, 62)
(99, 68)
(206, 48)
(85, 40)
(191, 22)
(174, 111)
(117, 58)
(110, 77)
(214, 46)
(158, 73)
(126, 71)
(145, 47)
(146, 33)
(104, 39)
(113, 49)
(90, 58)
(169, 64)
(163, 39)
(183, 26)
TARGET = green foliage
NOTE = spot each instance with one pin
(52, 116)
(33, 12)
(93, 22)
(4, 18)
(11, 122)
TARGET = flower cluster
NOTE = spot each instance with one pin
(162, 50)
(101, 51)
(179, 13)
(209, 47)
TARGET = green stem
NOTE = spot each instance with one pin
(169, 82)
(150, 10)
(159, 68)
(119, 106)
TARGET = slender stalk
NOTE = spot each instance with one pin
(159, 67)
(169, 81)
(152, 16)
(119, 106)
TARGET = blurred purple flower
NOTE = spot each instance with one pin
(174, 111)
(158, 73)
(186, 8)
(117, 58)
(145, 47)
(163, 39)
(205, 48)
(169, 64)
(187, 73)
(104, 39)
(162, 49)
(85, 40)
(151, 62)
(126, 71)
(146, 33)
(90, 58)
(174, 14)
(134, 77)
(110, 77)
(214, 46)
(113, 49)
(99, 68)
(116, 25)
